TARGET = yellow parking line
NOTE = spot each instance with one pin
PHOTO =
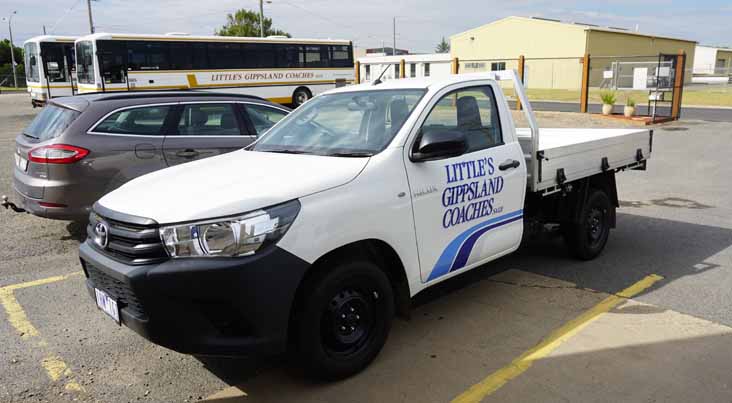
(53, 364)
(496, 380)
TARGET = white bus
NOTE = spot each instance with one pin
(50, 68)
(283, 70)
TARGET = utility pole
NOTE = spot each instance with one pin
(12, 47)
(91, 22)
(393, 49)
(261, 18)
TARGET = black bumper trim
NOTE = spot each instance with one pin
(209, 306)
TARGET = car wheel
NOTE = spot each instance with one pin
(587, 238)
(345, 318)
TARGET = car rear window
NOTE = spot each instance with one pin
(50, 122)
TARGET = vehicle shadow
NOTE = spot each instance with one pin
(468, 311)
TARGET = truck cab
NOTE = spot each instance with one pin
(315, 236)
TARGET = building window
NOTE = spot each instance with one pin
(426, 69)
(497, 66)
(412, 70)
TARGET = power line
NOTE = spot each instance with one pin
(53, 27)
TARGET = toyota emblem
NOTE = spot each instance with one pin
(101, 235)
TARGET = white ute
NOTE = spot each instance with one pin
(315, 236)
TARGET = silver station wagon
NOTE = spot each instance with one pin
(79, 148)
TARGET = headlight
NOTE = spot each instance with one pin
(229, 237)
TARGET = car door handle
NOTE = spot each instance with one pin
(188, 153)
(508, 164)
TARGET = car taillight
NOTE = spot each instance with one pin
(57, 154)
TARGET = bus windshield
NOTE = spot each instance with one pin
(85, 62)
(349, 124)
(54, 62)
(31, 62)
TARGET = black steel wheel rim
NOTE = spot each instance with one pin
(348, 322)
(595, 225)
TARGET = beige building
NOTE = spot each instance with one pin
(554, 49)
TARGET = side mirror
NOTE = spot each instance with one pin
(439, 144)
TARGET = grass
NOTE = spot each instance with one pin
(12, 88)
(696, 95)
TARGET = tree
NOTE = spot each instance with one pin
(443, 46)
(246, 23)
(5, 53)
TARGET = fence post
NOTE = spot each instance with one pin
(357, 72)
(678, 85)
(455, 66)
(521, 64)
(402, 69)
(585, 91)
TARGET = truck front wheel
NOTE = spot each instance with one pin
(587, 238)
(344, 319)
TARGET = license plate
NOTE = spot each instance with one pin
(21, 162)
(107, 304)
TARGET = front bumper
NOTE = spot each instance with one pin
(204, 306)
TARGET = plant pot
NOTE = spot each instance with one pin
(629, 111)
(607, 109)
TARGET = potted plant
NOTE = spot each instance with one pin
(629, 109)
(608, 100)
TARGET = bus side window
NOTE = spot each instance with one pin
(290, 56)
(341, 56)
(181, 56)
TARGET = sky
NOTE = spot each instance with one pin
(420, 24)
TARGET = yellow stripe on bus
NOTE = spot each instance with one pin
(227, 70)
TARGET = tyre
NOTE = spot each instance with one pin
(587, 238)
(300, 96)
(344, 319)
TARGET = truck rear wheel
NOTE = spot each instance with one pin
(587, 238)
(344, 319)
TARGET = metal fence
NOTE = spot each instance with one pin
(6, 80)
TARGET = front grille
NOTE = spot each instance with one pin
(117, 290)
(129, 243)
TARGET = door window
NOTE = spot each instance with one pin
(472, 111)
(263, 117)
(144, 121)
(208, 120)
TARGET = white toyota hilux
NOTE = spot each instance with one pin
(314, 237)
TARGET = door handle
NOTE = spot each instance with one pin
(187, 153)
(508, 164)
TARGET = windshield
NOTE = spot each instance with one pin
(50, 122)
(54, 62)
(355, 124)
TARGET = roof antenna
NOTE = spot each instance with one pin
(378, 79)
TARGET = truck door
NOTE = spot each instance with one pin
(204, 130)
(468, 208)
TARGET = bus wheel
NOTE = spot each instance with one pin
(344, 319)
(300, 96)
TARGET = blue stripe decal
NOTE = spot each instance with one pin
(456, 254)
